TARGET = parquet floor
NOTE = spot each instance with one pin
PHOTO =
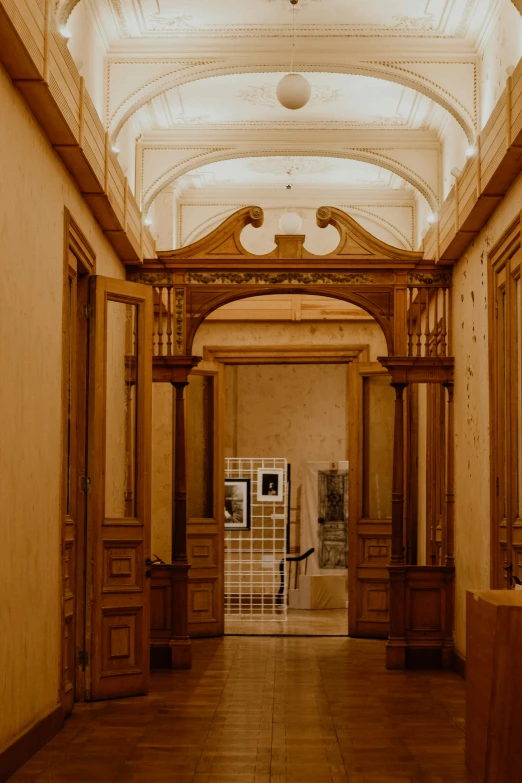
(299, 622)
(269, 710)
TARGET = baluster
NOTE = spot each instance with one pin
(419, 317)
(443, 328)
(427, 322)
(170, 292)
(436, 328)
(155, 323)
(160, 321)
(410, 321)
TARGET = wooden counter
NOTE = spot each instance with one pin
(494, 686)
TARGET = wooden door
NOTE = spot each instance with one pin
(370, 453)
(119, 458)
(506, 412)
(78, 265)
(205, 500)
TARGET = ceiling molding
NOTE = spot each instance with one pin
(188, 159)
(125, 101)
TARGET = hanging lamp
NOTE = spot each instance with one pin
(293, 91)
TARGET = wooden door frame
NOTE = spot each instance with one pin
(357, 371)
(74, 323)
(351, 355)
(499, 256)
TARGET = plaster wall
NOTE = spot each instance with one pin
(501, 48)
(472, 430)
(36, 188)
(315, 333)
(454, 144)
(294, 411)
(88, 49)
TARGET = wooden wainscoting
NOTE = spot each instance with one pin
(424, 596)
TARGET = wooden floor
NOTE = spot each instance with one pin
(299, 622)
(254, 710)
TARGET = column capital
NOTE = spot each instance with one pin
(173, 369)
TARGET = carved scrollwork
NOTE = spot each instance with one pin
(278, 278)
(179, 320)
(151, 278)
(429, 278)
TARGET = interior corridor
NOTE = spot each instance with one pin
(269, 710)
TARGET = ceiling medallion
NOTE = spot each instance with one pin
(291, 166)
(293, 91)
(263, 95)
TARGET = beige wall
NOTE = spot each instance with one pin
(35, 189)
(472, 431)
(298, 412)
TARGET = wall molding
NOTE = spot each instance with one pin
(29, 743)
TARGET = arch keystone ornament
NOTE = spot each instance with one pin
(409, 297)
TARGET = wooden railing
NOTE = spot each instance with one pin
(484, 180)
(428, 320)
(36, 57)
(166, 331)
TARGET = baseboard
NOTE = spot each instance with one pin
(14, 756)
(458, 663)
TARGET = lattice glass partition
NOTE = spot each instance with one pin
(255, 559)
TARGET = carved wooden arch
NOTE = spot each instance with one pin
(193, 281)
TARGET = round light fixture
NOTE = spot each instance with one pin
(471, 151)
(293, 91)
(431, 219)
(147, 222)
(290, 223)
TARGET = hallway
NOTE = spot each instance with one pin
(260, 710)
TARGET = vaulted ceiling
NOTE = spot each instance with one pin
(192, 84)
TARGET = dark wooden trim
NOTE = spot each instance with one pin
(21, 750)
(458, 663)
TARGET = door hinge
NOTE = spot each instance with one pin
(85, 484)
(88, 311)
(83, 658)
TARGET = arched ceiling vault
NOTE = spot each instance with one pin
(159, 174)
(128, 92)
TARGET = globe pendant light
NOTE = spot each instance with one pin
(293, 91)
(290, 223)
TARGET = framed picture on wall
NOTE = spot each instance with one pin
(237, 504)
(270, 485)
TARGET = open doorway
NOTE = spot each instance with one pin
(277, 399)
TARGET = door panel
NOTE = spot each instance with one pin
(71, 493)
(119, 455)
(205, 500)
(506, 366)
(370, 458)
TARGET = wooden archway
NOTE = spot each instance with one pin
(407, 295)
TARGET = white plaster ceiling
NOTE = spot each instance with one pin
(249, 100)
(301, 172)
(273, 18)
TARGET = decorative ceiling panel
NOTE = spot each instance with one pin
(249, 100)
(273, 18)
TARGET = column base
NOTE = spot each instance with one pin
(170, 646)
(396, 654)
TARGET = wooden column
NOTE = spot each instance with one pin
(170, 643)
(450, 481)
(396, 646)
(397, 550)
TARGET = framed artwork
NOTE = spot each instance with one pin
(237, 504)
(270, 485)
